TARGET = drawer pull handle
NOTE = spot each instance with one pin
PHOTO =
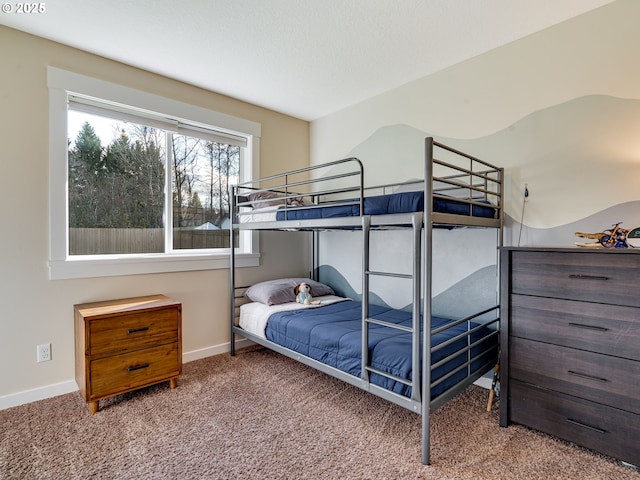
(584, 425)
(137, 330)
(133, 368)
(588, 327)
(589, 377)
(588, 277)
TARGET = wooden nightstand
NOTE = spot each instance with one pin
(126, 344)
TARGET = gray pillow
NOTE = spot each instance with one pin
(275, 292)
(265, 199)
(272, 199)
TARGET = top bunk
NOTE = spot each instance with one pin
(463, 191)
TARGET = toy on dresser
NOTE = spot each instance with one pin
(613, 237)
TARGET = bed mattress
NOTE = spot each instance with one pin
(403, 202)
(331, 334)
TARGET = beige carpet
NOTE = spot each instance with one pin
(260, 415)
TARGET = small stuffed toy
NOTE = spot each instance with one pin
(295, 201)
(302, 291)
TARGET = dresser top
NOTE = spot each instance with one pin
(606, 251)
(125, 305)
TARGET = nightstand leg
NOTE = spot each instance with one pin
(94, 407)
(173, 383)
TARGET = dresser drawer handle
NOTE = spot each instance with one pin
(589, 377)
(137, 330)
(588, 277)
(588, 327)
(584, 425)
(133, 368)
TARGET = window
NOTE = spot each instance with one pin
(142, 183)
(119, 165)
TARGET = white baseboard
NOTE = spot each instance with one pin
(48, 391)
(214, 350)
(35, 394)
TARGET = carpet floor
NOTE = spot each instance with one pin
(260, 415)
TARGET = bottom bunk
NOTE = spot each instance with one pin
(329, 337)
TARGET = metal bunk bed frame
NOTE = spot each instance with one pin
(477, 182)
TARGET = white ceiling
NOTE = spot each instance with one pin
(305, 58)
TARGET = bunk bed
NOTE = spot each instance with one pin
(371, 346)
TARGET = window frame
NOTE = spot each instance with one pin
(62, 84)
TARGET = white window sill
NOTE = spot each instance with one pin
(114, 265)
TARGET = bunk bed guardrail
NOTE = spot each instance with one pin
(288, 190)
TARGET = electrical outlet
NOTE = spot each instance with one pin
(44, 352)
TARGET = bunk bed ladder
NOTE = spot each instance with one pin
(367, 321)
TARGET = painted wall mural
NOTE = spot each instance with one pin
(559, 110)
(556, 153)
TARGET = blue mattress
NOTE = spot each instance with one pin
(331, 334)
(404, 202)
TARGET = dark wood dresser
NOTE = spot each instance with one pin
(570, 340)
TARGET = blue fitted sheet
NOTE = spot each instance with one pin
(331, 334)
(403, 202)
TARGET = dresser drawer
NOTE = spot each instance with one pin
(609, 329)
(608, 430)
(132, 331)
(611, 278)
(601, 378)
(121, 373)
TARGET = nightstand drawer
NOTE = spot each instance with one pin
(605, 429)
(602, 278)
(132, 331)
(121, 373)
(601, 378)
(609, 329)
